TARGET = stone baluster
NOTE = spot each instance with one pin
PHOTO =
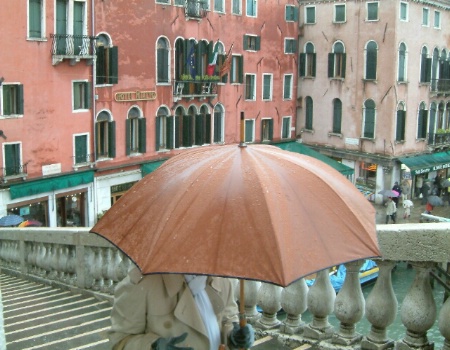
(53, 261)
(89, 263)
(31, 257)
(97, 269)
(444, 324)
(71, 265)
(381, 309)
(320, 301)
(294, 303)
(418, 311)
(251, 289)
(63, 256)
(269, 300)
(40, 259)
(108, 271)
(349, 306)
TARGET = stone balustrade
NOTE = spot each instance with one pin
(74, 258)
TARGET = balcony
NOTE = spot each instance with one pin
(440, 86)
(195, 88)
(196, 9)
(82, 262)
(14, 172)
(73, 48)
(83, 160)
(440, 139)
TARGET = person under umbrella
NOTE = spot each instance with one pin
(391, 210)
(407, 205)
(396, 188)
(176, 312)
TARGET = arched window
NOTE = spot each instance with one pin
(337, 116)
(369, 119)
(162, 60)
(401, 122)
(219, 120)
(164, 129)
(425, 66)
(307, 62)
(105, 135)
(203, 127)
(107, 62)
(402, 62)
(309, 113)
(135, 132)
(336, 61)
(434, 69)
(422, 120)
(371, 60)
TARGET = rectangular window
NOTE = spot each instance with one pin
(179, 2)
(237, 7)
(252, 42)
(286, 128)
(81, 95)
(287, 87)
(11, 99)
(437, 19)
(36, 19)
(267, 87)
(425, 17)
(250, 87)
(339, 13)
(81, 149)
(251, 8)
(266, 130)
(219, 6)
(237, 70)
(372, 11)
(249, 130)
(290, 46)
(310, 14)
(291, 14)
(12, 159)
(403, 11)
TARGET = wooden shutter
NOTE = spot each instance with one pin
(400, 126)
(35, 16)
(20, 98)
(169, 132)
(113, 65)
(331, 65)
(112, 139)
(127, 137)
(344, 63)
(142, 124)
(177, 131)
(157, 132)
(301, 65)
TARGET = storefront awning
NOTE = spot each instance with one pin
(294, 146)
(147, 168)
(31, 188)
(427, 162)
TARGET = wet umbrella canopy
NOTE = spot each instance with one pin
(11, 220)
(254, 212)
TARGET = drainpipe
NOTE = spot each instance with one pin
(94, 110)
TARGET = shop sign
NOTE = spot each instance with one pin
(127, 96)
(431, 168)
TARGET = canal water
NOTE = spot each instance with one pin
(402, 278)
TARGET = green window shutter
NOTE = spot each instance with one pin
(258, 43)
(186, 131)
(7, 108)
(100, 65)
(157, 133)
(302, 63)
(314, 56)
(245, 42)
(371, 63)
(424, 124)
(199, 129)
(217, 127)
(344, 63)
(337, 116)
(248, 130)
(420, 124)
(177, 131)
(81, 149)
(20, 99)
(330, 65)
(127, 137)
(169, 132)
(61, 26)
(113, 65)
(87, 94)
(296, 9)
(271, 129)
(163, 67)
(207, 138)
(76, 96)
(12, 159)
(428, 70)
(241, 70)
(35, 16)
(112, 139)
(78, 23)
(400, 126)
(142, 123)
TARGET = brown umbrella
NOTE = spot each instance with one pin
(254, 212)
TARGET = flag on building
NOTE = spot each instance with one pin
(190, 62)
(213, 61)
(226, 66)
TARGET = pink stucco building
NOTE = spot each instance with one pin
(96, 94)
(374, 85)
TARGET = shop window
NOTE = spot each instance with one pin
(70, 210)
(36, 210)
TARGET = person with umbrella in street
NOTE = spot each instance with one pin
(425, 192)
(398, 189)
(391, 210)
(176, 312)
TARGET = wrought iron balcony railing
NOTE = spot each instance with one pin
(196, 8)
(439, 139)
(83, 160)
(440, 86)
(194, 88)
(14, 172)
(73, 47)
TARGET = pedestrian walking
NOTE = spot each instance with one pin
(398, 189)
(406, 189)
(391, 210)
(407, 205)
(428, 208)
(425, 192)
(419, 184)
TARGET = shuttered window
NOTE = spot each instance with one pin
(369, 119)
(35, 18)
(309, 113)
(371, 60)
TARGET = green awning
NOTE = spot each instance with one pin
(427, 162)
(147, 168)
(30, 188)
(296, 147)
